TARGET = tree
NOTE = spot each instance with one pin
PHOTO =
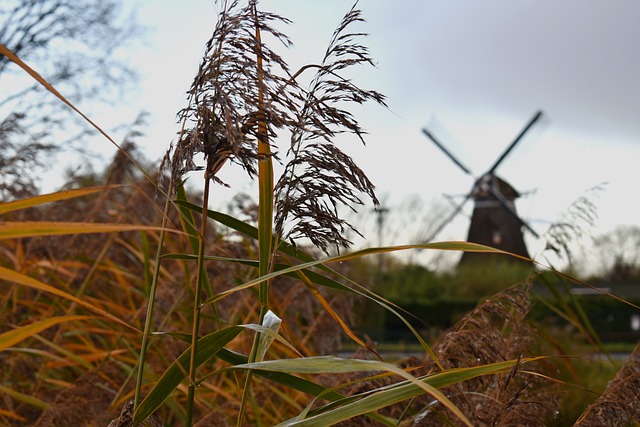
(74, 45)
(619, 253)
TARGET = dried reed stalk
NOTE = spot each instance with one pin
(495, 331)
(619, 405)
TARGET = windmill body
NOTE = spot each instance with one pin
(491, 223)
(494, 221)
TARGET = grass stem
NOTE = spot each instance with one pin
(196, 305)
(265, 211)
(144, 345)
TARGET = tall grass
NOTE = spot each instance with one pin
(136, 303)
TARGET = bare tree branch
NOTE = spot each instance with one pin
(73, 43)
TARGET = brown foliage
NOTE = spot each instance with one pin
(86, 402)
(619, 405)
(495, 331)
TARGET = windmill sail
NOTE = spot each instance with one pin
(494, 221)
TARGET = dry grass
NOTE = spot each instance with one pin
(91, 363)
(161, 315)
(619, 405)
(495, 331)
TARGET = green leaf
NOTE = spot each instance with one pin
(222, 218)
(249, 230)
(386, 396)
(24, 398)
(207, 348)
(326, 364)
(327, 282)
(308, 261)
(284, 378)
(269, 332)
(451, 246)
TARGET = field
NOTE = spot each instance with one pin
(130, 302)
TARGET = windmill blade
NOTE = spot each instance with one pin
(505, 204)
(445, 151)
(535, 118)
(450, 218)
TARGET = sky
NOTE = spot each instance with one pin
(472, 72)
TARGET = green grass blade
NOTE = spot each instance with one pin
(224, 219)
(24, 398)
(451, 246)
(68, 357)
(317, 278)
(152, 282)
(186, 218)
(286, 379)
(328, 282)
(14, 336)
(288, 249)
(335, 412)
(330, 364)
(207, 348)
(292, 381)
(446, 246)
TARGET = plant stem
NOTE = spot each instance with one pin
(196, 304)
(265, 216)
(150, 304)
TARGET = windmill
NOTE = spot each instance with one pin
(494, 221)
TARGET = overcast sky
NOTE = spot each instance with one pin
(472, 72)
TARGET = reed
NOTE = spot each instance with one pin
(138, 304)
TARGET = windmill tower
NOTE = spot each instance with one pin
(494, 221)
